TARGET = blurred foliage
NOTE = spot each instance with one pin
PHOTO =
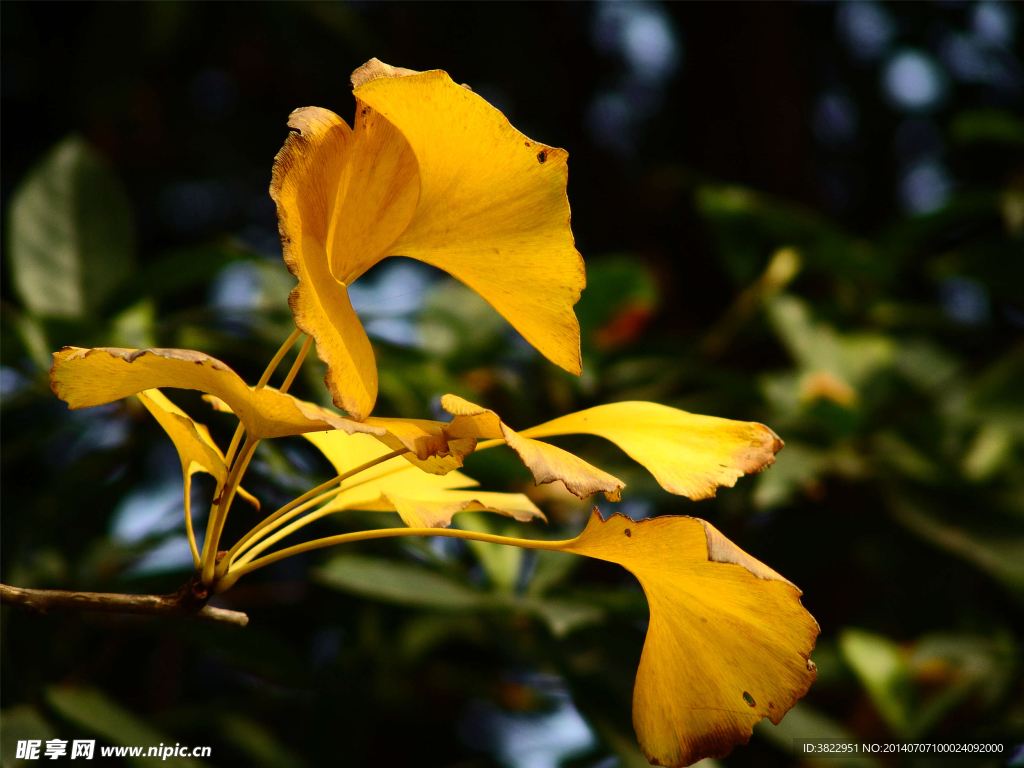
(887, 351)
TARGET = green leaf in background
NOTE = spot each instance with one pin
(93, 711)
(21, 723)
(965, 669)
(561, 616)
(992, 541)
(898, 454)
(784, 265)
(71, 233)
(799, 469)
(1011, 206)
(990, 450)
(551, 569)
(135, 327)
(456, 323)
(749, 226)
(988, 125)
(393, 582)
(501, 564)
(33, 339)
(818, 347)
(884, 673)
(995, 394)
(410, 585)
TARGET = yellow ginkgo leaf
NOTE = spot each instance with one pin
(196, 450)
(307, 172)
(492, 207)
(430, 447)
(688, 454)
(728, 642)
(434, 509)
(433, 172)
(422, 500)
(346, 454)
(546, 462)
(86, 377)
(425, 442)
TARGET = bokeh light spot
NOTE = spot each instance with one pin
(867, 29)
(913, 81)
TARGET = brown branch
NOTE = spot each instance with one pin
(182, 604)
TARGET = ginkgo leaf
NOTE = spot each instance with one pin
(306, 175)
(492, 209)
(547, 462)
(87, 377)
(435, 508)
(426, 443)
(433, 172)
(196, 449)
(728, 642)
(688, 454)
(429, 445)
(422, 500)
(345, 455)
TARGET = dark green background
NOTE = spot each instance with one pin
(898, 510)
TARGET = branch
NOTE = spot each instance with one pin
(42, 600)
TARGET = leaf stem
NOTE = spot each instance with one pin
(271, 367)
(299, 360)
(298, 505)
(384, 533)
(265, 538)
(322, 498)
(188, 521)
(220, 513)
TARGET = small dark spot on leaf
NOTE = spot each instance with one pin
(527, 143)
(364, 112)
(542, 156)
(628, 532)
(749, 699)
